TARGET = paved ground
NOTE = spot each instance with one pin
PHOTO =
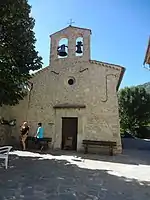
(71, 178)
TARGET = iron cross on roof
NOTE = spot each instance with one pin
(71, 22)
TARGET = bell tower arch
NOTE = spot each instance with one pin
(70, 43)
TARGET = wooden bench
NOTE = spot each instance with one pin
(41, 143)
(110, 144)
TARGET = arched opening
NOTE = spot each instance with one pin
(62, 49)
(79, 46)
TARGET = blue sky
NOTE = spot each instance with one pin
(120, 30)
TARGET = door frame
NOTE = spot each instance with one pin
(59, 113)
(75, 137)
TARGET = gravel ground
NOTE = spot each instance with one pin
(68, 177)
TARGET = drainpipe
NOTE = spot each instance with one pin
(106, 89)
(29, 98)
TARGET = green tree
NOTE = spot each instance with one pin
(17, 50)
(134, 108)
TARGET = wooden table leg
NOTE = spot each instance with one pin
(85, 148)
(47, 145)
(111, 150)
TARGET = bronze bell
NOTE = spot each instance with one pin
(79, 45)
(61, 50)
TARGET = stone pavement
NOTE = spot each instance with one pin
(29, 178)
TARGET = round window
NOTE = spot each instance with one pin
(70, 81)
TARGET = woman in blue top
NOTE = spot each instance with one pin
(39, 135)
(40, 131)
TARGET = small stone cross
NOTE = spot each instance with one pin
(71, 22)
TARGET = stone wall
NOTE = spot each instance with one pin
(93, 88)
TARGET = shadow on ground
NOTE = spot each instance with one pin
(134, 157)
(33, 179)
(141, 156)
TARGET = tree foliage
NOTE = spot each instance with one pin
(17, 50)
(134, 108)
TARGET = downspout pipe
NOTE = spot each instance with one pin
(29, 98)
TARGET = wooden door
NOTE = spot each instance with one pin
(69, 133)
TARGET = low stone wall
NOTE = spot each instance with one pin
(6, 137)
(136, 143)
(5, 134)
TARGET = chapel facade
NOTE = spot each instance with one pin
(75, 97)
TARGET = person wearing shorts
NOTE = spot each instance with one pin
(24, 134)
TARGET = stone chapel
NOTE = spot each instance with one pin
(74, 97)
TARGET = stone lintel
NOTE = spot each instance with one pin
(68, 105)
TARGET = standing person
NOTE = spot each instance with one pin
(40, 131)
(24, 134)
(39, 135)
